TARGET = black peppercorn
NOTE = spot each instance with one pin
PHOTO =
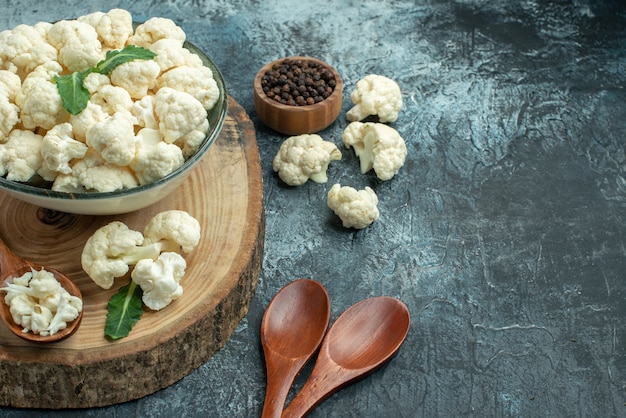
(298, 82)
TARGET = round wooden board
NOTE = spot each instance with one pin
(225, 194)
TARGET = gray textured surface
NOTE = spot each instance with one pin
(504, 233)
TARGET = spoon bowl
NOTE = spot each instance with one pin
(362, 339)
(292, 330)
(12, 266)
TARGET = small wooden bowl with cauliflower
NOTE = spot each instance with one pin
(108, 116)
(298, 95)
(40, 306)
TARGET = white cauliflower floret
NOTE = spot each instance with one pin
(170, 53)
(39, 303)
(173, 230)
(39, 100)
(113, 28)
(305, 157)
(21, 308)
(143, 111)
(76, 55)
(81, 123)
(40, 319)
(155, 158)
(78, 44)
(191, 142)
(154, 29)
(136, 77)
(10, 85)
(356, 208)
(93, 173)
(24, 48)
(114, 247)
(20, 155)
(36, 283)
(110, 251)
(375, 95)
(179, 115)
(107, 178)
(9, 116)
(197, 81)
(114, 138)
(378, 146)
(59, 148)
(160, 279)
(95, 81)
(68, 310)
(112, 99)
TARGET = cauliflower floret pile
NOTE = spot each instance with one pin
(170, 95)
(378, 146)
(155, 254)
(39, 303)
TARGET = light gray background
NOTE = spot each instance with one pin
(504, 233)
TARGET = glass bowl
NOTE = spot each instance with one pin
(128, 200)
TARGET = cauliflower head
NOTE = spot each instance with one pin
(24, 48)
(160, 279)
(10, 85)
(173, 230)
(375, 95)
(113, 28)
(78, 44)
(112, 99)
(143, 111)
(9, 116)
(154, 29)
(93, 173)
(114, 247)
(170, 54)
(81, 123)
(378, 146)
(356, 208)
(197, 81)
(20, 155)
(39, 100)
(136, 77)
(114, 138)
(110, 251)
(155, 158)
(305, 157)
(179, 115)
(59, 148)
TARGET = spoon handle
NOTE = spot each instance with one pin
(281, 372)
(326, 378)
(9, 261)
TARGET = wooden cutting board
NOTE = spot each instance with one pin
(225, 194)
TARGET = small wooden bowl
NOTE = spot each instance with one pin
(297, 120)
(5, 311)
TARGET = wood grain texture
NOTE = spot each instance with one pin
(225, 194)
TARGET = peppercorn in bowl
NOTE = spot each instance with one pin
(110, 124)
(298, 95)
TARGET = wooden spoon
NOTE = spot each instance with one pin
(361, 340)
(292, 330)
(13, 266)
